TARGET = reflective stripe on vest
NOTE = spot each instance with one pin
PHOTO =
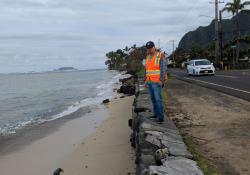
(153, 68)
(153, 72)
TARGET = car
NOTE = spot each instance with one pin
(200, 67)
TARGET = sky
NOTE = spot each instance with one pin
(41, 35)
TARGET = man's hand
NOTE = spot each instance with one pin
(146, 85)
(166, 77)
(161, 84)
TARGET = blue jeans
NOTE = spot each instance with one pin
(156, 98)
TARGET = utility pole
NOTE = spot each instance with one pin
(216, 33)
(173, 41)
(216, 22)
(220, 35)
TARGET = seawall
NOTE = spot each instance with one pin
(159, 148)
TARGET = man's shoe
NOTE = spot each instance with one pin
(160, 121)
(153, 117)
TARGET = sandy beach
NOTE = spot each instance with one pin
(95, 143)
(108, 151)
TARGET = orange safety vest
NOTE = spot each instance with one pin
(153, 68)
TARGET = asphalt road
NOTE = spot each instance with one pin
(235, 82)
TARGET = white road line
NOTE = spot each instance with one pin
(240, 90)
(245, 73)
(227, 76)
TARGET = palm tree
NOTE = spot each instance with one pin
(235, 7)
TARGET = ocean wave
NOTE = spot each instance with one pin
(104, 91)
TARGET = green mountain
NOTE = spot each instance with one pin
(204, 36)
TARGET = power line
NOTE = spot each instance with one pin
(189, 10)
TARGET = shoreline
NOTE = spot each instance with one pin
(20, 115)
(108, 150)
(42, 149)
(29, 134)
(38, 150)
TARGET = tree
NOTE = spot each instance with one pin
(135, 57)
(129, 59)
(116, 60)
(196, 51)
(235, 7)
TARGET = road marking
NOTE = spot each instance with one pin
(181, 71)
(240, 90)
(227, 76)
(245, 73)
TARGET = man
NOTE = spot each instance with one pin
(155, 77)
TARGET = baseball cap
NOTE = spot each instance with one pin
(150, 44)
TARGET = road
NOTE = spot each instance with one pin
(235, 82)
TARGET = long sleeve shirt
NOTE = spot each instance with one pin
(163, 69)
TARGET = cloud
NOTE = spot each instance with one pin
(46, 34)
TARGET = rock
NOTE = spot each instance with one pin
(177, 149)
(105, 101)
(176, 166)
(128, 86)
(130, 123)
(125, 79)
(58, 171)
(141, 109)
(153, 140)
(127, 89)
(160, 155)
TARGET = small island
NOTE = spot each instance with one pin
(66, 69)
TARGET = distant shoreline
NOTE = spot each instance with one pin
(51, 71)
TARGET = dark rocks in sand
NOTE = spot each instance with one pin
(58, 171)
(130, 123)
(105, 101)
(125, 79)
(127, 89)
(128, 86)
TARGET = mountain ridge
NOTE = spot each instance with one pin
(204, 35)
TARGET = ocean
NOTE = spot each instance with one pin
(34, 98)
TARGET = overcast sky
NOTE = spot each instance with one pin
(46, 34)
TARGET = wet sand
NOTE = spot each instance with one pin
(55, 144)
(108, 151)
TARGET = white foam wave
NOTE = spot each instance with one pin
(104, 91)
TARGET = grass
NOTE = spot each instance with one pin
(170, 76)
(204, 164)
(165, 95)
